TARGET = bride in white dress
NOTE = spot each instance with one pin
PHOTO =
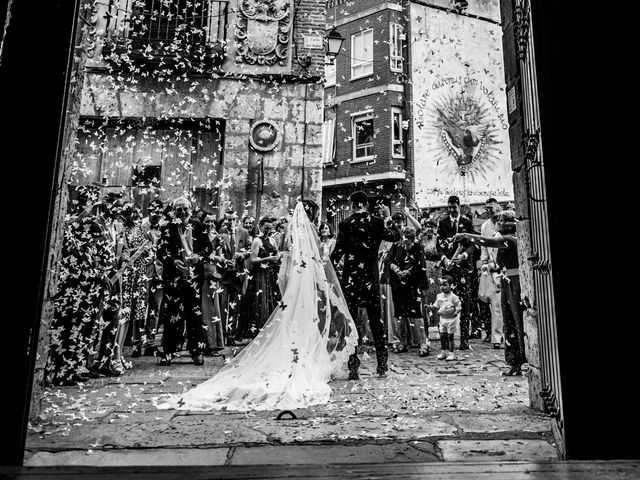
(305, 342)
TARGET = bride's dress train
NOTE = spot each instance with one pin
(306, 341)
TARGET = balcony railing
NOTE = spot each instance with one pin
(164, 27)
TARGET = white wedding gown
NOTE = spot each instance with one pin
(305, 341)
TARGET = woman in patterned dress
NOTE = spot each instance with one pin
(134, 285)
(428, 240)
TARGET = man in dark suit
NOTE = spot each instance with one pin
(236, 247)
(181, 249)
(458, 260)
(358, 241)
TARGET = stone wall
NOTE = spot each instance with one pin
(60, 202)
(240, 103)
(304, 38)
(518, 167)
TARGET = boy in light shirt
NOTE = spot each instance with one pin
(448, 306)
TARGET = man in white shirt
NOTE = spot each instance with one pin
(489, 266)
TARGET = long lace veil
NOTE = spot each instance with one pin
(306, 340)
(334, 320)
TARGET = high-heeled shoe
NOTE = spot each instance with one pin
(150, 351)
(165, 361)
(513, 372)
(197, 359)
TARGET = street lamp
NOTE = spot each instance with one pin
(334, 44)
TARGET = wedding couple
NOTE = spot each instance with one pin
(311, 335)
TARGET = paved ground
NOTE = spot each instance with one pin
(427, 410)
(577, 470)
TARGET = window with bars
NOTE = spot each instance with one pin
(153, 21)
(362, 131)
(362, 54)
(396, 38)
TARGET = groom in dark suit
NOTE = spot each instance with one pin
(182, 246)
(359, 238)
(458, 260)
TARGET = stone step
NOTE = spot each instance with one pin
(537, 450)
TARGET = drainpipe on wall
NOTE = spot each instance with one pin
(409, 186)
(304, 139)
(260, 187)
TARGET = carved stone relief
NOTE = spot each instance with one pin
(263, 30)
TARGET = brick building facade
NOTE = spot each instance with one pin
(361, 104)
(385, 94)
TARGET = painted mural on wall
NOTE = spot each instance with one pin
(461, 139)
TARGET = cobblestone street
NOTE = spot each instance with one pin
(425, 410)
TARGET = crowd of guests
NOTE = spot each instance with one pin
(209, 283)
(445, 274)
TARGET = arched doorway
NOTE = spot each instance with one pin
(26, 336)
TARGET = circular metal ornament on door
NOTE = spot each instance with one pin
(263, 136)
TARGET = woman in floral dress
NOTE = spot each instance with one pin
(134, 285)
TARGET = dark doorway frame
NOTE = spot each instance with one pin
(36, 61)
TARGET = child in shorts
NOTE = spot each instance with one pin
(448, 306)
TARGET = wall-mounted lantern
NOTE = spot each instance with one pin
(334, 44)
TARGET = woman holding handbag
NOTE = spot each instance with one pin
(214, 334)
(512, 308)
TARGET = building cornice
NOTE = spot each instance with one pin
(426, 3)
(365, 13)
(376, 177)
(225, 75)
(388, 87)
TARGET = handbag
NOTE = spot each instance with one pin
(211, 271)
(154, 269)
(486, 286)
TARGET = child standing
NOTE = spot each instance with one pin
(449, 307)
